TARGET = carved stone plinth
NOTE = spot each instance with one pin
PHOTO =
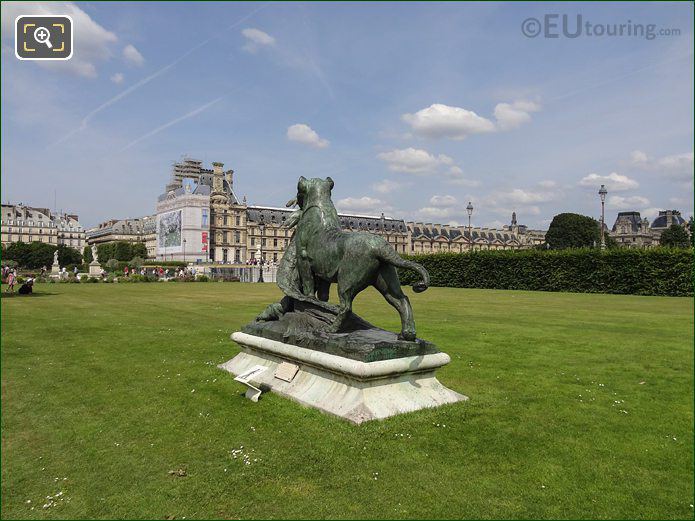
(352, 389)
(94, 269)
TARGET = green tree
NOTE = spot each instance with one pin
(87, 255)
(675, 237)
(691, 227)
(137, 262)
(68, 255)
(123, 251)
(571, 230)
(106, 252)
(30, 254)
(139, 250)
(40, 254)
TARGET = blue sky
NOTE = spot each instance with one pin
(413, 109)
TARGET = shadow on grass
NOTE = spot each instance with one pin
(7, 294)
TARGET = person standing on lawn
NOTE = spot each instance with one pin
(11, 280)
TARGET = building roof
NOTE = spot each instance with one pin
(662, 220)
(138, 226)
(272, 215)
(199, 189)
(632, 218)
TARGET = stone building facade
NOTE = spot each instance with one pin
(630, 230)
(183, 224)
(140, 229)
(425, 238)
(238, 233)
(28, 224)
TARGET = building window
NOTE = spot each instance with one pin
(237, 257)
(224, 255)
(275, 243)
(225, 219)
(204, 218)
(253, 241)
(238, 220)
(275, 257)
(237, 236)
(263, 242)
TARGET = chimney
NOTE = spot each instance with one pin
(217, 168)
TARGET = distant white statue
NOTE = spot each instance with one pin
(55, 257)
(95, 254)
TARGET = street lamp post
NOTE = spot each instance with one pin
(184, 250)
(261, 226)
(602, 194)
(469, 209)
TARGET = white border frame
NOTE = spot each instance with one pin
(72, 34)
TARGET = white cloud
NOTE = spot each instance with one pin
(496, 224)
(638, 157)
(626, 203)
(132, 56)
(362, 205)
(92, 41)
(548, 184)
(304, 134)
(431, 212)
(519, 209)
(614, 182)
(455, 177)
(255, 39)
(387, 186)
(676, 166)
(438, 120)
(513, 115)
(117, 78)
(443, 121)
(414, 161)
(650, 213)
(443, 200)
(520, 196)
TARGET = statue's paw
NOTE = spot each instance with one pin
(333, 328)
(407, 335)
(272, 312)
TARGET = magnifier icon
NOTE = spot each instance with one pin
(43, 35)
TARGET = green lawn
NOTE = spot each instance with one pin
(581, 406)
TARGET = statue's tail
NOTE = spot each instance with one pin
(388, 254)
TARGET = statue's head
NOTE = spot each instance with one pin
(313, 189)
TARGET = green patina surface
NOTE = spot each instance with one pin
(321, 253)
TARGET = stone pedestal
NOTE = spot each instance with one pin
(94, 269)
(55, 269)
(352, 389)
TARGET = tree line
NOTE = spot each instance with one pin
(35, 255)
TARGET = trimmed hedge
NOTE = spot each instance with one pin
(658, 271)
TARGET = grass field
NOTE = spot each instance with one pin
(581, 406)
